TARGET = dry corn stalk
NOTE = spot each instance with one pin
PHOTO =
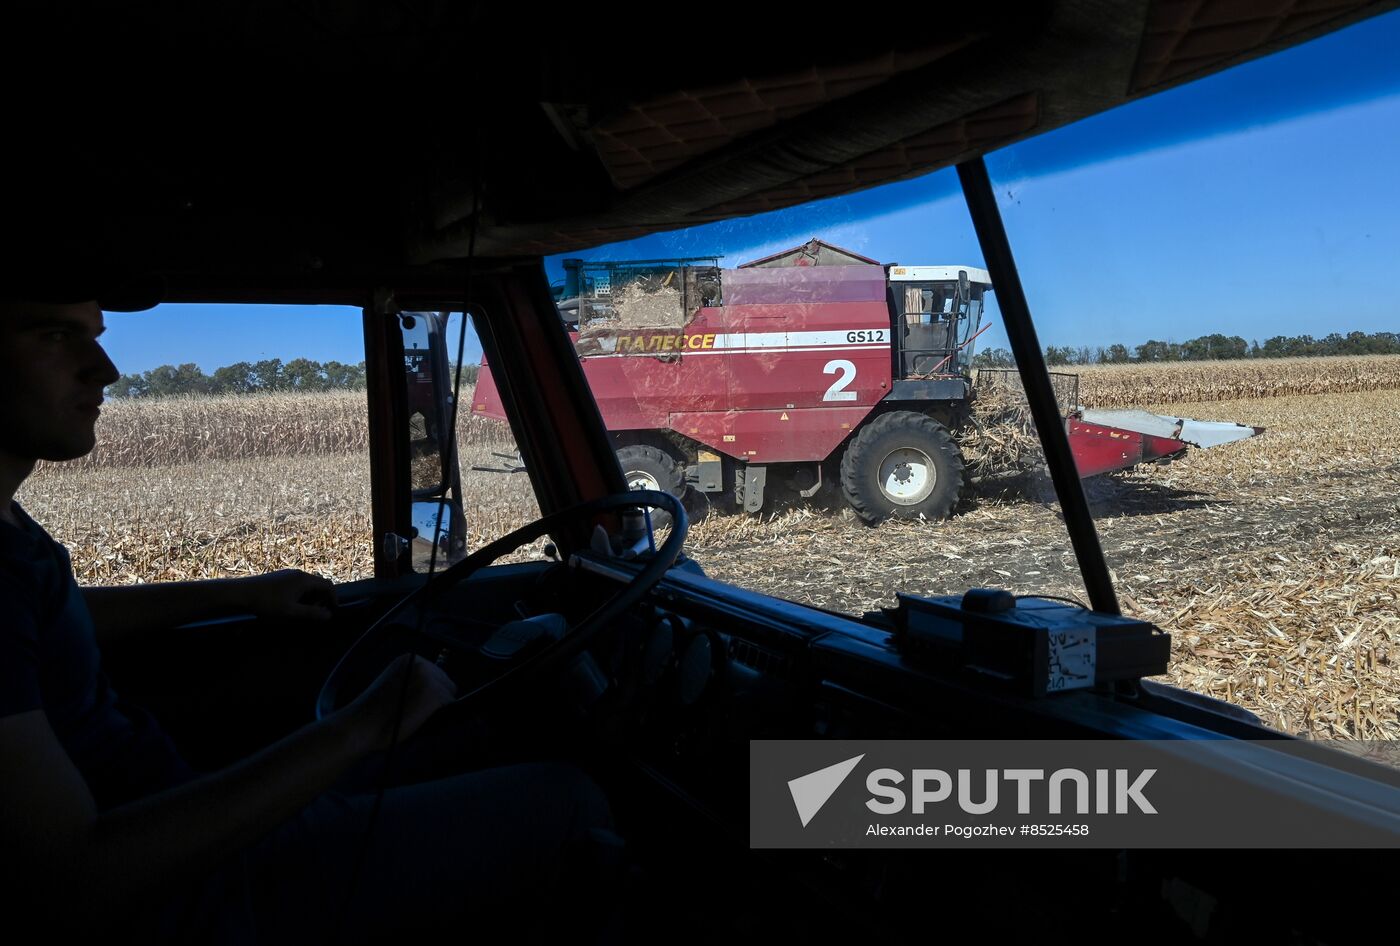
(637, 307)
(1108, 386)
(1001, 439)
(150, 432)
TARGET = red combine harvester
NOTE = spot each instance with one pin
(810, 365)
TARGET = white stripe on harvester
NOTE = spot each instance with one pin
(759, 351)
(691, 353)
(798, 339)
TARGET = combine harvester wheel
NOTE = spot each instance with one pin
(646, 467)
(905, 465)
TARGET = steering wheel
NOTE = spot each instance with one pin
(352, 665)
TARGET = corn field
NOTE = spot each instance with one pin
(1108, 386)
(150, 432)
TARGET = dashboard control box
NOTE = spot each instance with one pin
(1036, 646)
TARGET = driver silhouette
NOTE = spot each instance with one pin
(103, 824)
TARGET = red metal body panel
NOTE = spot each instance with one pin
(772, 436)
(639, 376)
(1099, 449)
(782, 357)
(486, 400)
(757, 379)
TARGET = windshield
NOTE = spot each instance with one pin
(928, 301)
(1161, 246)
(971, 322)
(1211, 275)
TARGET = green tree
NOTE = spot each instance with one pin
(342, 377)
(303, 374)
(129, 385)
(169, 380)
(1214, 347)
(1356, 343)
(236, 378)
(267, 375)
(993, 358)
(1153, 350)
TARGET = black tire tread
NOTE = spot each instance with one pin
(674, 474)
(670, 474)
(919, 430)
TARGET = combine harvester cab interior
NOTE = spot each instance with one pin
(587, 631)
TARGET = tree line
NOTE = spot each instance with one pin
(251, 377)
(244, 377)
(1214, 347)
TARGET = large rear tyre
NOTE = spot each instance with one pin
(904, 465)
(645, 467)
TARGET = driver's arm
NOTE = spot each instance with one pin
(61, 853)
(120, 611)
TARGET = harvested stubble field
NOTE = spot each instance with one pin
(1274, 563)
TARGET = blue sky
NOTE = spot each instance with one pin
(1260, 201)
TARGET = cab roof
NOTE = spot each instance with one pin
(238, 140)
(975, 275)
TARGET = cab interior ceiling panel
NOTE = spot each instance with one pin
(324, 136)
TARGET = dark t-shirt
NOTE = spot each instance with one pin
(49, 660)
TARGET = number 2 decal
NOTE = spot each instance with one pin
(837, 391)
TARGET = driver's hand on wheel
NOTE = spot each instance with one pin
(288, 593)
(429, 690)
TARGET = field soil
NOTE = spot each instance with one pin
(1274, 563)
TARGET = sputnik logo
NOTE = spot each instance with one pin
(811, 791)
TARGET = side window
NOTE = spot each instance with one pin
(439, 537)
(234, 443)
(482, 493)
(426, 402)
